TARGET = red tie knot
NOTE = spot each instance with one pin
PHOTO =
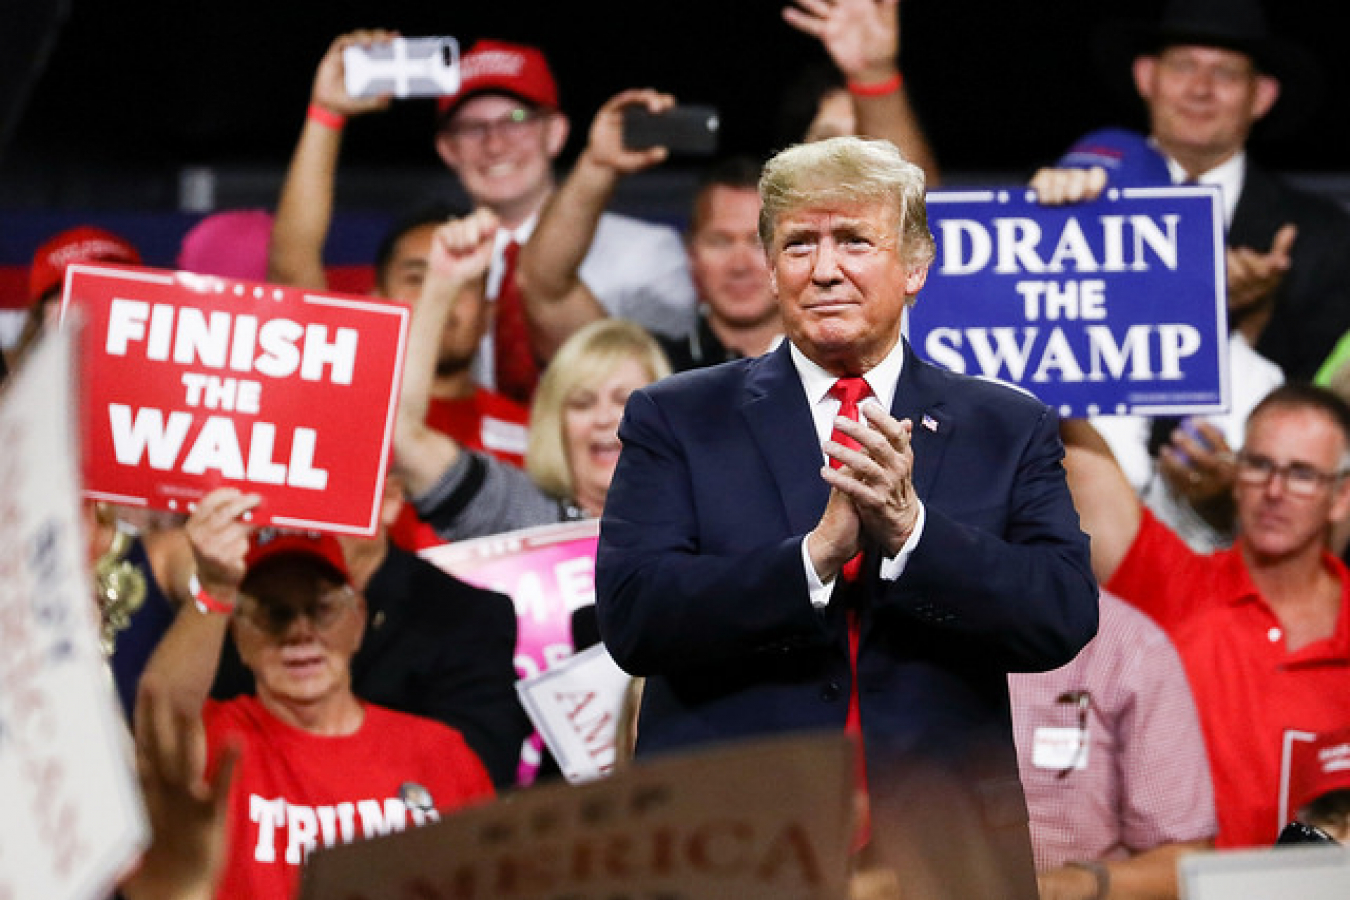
(850, 391)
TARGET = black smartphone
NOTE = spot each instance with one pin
(683, 130)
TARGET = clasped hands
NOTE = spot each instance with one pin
(871, 493)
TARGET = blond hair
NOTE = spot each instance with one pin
(849, 170)
(587, 358)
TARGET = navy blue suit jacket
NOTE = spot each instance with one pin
(701, 586)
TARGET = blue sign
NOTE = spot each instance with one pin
(1110, 307)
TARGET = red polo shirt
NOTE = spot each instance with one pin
(1254, 697)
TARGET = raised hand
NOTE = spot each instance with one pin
(330, 91)
(861, 36)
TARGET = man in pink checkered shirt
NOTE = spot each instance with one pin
(1112, 760)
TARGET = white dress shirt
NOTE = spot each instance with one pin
(816, 382)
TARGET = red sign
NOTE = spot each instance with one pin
(191, 382)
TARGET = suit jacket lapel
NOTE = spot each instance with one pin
(919, 399)
(776, 413)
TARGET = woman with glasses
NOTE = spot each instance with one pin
(316, 765)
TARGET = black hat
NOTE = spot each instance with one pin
(1231, 24)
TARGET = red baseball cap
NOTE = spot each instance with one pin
(1318, 768)
(499, 67)
(271, 543)
(83, 243)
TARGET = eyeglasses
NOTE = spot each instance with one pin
(275, 618)
(1229, 74)
(511, 127)
(1300, 479)
(1083, 700)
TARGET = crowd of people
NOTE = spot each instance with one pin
(1070, 651)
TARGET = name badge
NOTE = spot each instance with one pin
(1059, 748)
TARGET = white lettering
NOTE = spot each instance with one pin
(270, 815)
(1018, 245)
(340, 354)
(1058, 355)
(576, 581)
(126, 323)
(261, 468)
(302, 473)
(1072, 245)
(981, 246)
(147, 435)
(1009, 353)
(376, 821)
(1176, 342)
(197, 340)
(302, 830)
(1105, 350)
(1163, 245)
(277, 338)
(944, 348)
(216, 447)
(1017, 240)
(216, 339)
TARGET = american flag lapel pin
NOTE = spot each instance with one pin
(930, 423)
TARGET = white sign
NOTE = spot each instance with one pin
(71, 819)
(576, 708)
(1308, 873)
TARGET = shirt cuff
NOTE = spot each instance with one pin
(819, 591)
(893, 567)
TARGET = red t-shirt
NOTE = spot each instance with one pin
(487, 421)
(294, 791)
(1255, 698)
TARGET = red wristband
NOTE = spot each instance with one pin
(876, 88)
(325, 117)
(205, 602)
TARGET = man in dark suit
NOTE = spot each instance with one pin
(724, 570)
(1210, 74)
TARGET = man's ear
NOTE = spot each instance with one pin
(1267, 92)
(915, 278)
(557, 127)
(1143, 69)
(1340, 501)
(445, 149)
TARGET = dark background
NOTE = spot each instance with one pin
(130, 94)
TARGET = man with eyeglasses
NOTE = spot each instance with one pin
(1261, 627)
(501, 134)
(316, 765)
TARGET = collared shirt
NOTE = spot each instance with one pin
(1109, 747)
(816, 382)
(1228, 175)
(637, 270)
(1255, 697)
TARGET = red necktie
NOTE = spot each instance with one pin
(516, 371)
(851, 391)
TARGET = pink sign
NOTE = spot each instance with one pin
(191, 382)
(548, 571)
